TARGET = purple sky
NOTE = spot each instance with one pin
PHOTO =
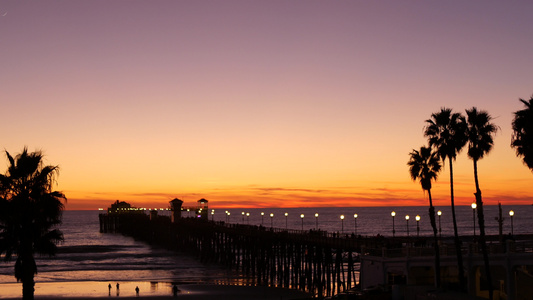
(211, 98)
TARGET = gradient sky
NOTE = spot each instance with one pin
(260, 103)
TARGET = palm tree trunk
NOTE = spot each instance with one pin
(28, 288)
(482, 239)
(28, 272)
(462, 279)
(435, 240)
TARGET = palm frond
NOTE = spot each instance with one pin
(522, 137)
(480, 133)
(29, 210)
(446, 133)
(47, 243)
(424, 165)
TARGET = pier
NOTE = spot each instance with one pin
(314, 261)
(325, 264)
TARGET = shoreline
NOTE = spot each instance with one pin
(149, 290)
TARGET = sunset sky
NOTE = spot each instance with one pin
(260, 103)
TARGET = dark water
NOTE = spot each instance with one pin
(88, 255)
(378, 220)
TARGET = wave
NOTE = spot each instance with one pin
(95, 248)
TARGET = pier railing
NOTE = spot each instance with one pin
(448, 249)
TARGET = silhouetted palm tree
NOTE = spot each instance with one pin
(480, 132)
(446, 133)
(522, 139)
(29, 213)
(424, 165)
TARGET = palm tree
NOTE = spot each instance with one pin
(424, 165)
(480, 132)
(446, 133)
(522, 139)
(29, 213)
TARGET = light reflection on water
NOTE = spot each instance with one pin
(92, 289)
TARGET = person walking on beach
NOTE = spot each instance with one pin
(109, 287)
(137, 291)
(118, 289)
(175, 290)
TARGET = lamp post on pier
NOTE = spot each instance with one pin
(511, 214)
(271, 219)
(439, 213)
(248, 218)
(355, 224)
(262, 215)
(228, 216)
(286, 215)
(316, 221)
(302, 217)
(212, 215)
(417, 218)
(474, 206)
(393, 214)
(243, 217)
(342, 223)
(407, 220)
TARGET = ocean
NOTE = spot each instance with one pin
(88, 256)
(372, 221)
(89, 260)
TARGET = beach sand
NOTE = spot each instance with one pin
(94, 290)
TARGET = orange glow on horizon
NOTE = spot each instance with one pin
(290, 198)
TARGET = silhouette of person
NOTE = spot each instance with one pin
(109, 287)
(118, 289)
(137, 291)
(175, 290)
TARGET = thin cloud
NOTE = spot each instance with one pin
(270, 190)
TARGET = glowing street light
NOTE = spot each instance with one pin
(474, 206)
(316, 221)
(228, 215)
(417, 218)
(393, 214)
(355, 224)
(271, 219)
(511, 214)
(212, 215)
(248, 218)
(286, 215)
(243, 217)
(407, 220)
(302, 217)
(342, 223)
(262, 215)
(439, 213)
